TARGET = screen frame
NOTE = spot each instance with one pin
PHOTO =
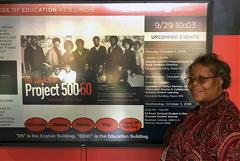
(209, 42)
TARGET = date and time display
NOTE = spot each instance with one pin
(175, 24)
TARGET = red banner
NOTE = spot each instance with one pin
(134, 9)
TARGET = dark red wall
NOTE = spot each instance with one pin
(228, 47)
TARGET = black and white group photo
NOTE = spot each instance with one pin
(106, 59)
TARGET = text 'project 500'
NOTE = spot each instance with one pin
(64, 89)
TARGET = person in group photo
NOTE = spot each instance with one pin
(101, 76)
(123, 84)
(128, 61)
(54, 55)
(211, 131)
(139, 57)
(68, 57)
(81, 56)
(34, 57)
(87, 75)
(56, 71)
(67, 75)
(97, 54)
(115, 53)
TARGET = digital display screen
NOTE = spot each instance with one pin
(97, 74)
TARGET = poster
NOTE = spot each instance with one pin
(96, 74)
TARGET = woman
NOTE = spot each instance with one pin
(128, 61)
(211, 132)
(54, 55)
(139, 57)
(68, 57)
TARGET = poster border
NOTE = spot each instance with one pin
(108, 143)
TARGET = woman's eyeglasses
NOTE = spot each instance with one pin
(199, 80)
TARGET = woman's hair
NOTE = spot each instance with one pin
(127, 41)
(67, 42)
(55, 40)
(216, 66)
(137, 43)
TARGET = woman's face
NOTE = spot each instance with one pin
(69, 47)
(204, 85)
(57, 45)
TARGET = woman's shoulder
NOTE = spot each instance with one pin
(230, 112)
(234, 109)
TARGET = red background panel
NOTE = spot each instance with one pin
(79, 154)
(228, 48)
(40, 154)
(124, 154)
